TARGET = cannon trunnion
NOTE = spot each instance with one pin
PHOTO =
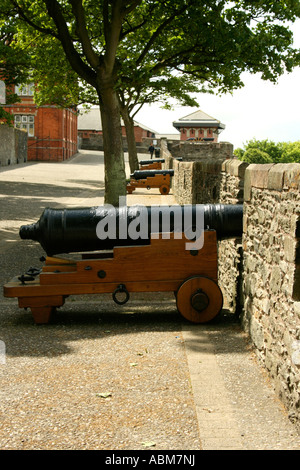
(161, 263)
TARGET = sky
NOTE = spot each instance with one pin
(260, 110)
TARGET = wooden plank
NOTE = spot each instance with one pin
(42, 301)
(59, 268)
(55, 261)
(159, 267)
(163, 259)
(35, 289)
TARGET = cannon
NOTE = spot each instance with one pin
(95, 258)
(151, 164)
(154, 164)
(150, 179)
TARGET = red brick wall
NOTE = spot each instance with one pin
(139, 132)
(55, 130)
(184, 135)
(55, 135)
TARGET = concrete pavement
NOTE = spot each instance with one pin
(232, 402)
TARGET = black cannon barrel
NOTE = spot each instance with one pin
(143, 174)
(156, 160)
(75, 230)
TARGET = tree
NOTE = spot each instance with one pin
(290, 152)
(266, 151)
(255, 155)
(260, 151)
(159, 89)
(13, 69)
(110, 42)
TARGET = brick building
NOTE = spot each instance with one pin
(52, 131)
(89, 126)
(199, 126)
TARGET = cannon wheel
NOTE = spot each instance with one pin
(199, 299)
(164, 189)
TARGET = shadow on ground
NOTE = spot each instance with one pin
(99, 320)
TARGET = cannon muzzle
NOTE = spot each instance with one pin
(75, 230)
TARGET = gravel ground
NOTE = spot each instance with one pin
(104, 380)
(109, 377)
(100, 376)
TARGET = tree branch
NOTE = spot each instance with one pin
(131, 6)
(112, 29)
(72, 55)
(27, 20)
(81, 30)
(159, 30)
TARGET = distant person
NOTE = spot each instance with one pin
(151, 150)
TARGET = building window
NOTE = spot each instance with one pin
(23, 121)
(24, 90)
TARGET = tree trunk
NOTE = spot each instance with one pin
(115, 176)
(132, 152)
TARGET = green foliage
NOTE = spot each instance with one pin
(238, 152)
(255, 155)
(290, 152)
(265, 151)
(269, 147)
(5, 117)
(138, 50)
(145, 43)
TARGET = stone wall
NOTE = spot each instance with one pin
(95, 142)
(206, 150)
(214, 181)
(259, 273)
(271, 280)
(13, 148)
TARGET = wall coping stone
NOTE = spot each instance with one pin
(275, 177)
(292, 176)
(256, 175)
(271, 176)
(209, 166)
(237, 167)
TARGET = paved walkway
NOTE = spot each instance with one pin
(108, 377)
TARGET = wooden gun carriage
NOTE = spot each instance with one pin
(159, 262)
(151, 179)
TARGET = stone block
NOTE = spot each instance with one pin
(275, 177)
(238, 168)
(225, 165)
(248, 182)
(260, 175)
(289, 244)
(292, 176)
(257, 334)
